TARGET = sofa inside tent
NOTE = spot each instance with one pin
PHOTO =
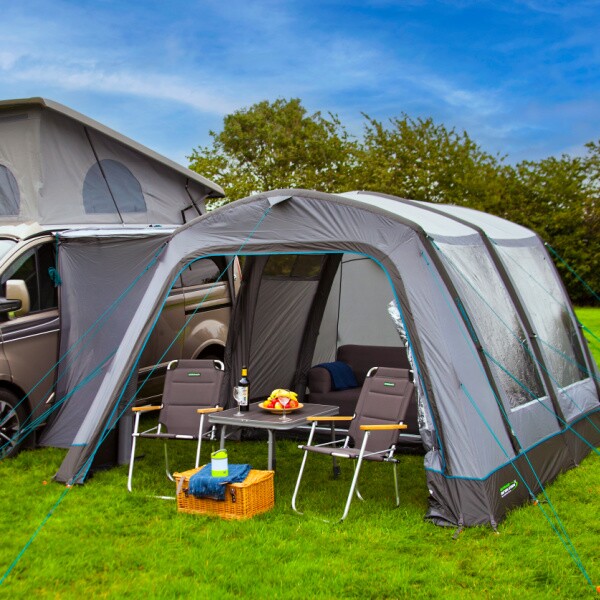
(508, 394)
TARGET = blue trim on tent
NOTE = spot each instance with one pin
(522, 453)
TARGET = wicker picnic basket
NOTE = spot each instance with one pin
(255, 495)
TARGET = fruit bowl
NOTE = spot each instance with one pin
(279, 411)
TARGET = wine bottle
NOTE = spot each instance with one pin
(244, 391)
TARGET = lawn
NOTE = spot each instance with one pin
(590, 319)
(102, 541)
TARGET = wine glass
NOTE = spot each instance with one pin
(238, 395)
(284, 400)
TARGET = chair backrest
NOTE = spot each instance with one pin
(189, 385)
(384, 399)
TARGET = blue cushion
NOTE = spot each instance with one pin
(342, 375)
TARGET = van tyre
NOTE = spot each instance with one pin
(11, 422)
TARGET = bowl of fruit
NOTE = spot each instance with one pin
(281, 401)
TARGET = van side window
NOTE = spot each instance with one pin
(301, 266)
(32, 268)
(200, 272)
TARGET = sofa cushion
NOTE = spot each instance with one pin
(319, 381)
(342, 375)
(361, 359)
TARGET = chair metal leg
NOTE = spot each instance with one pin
(356, 474)
(133, 444)
(199, 440)
(295, 494)
(167, 470)
(396, 484)
(356, 490)
(336, 468)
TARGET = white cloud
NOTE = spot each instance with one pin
(8, 60)
(88, 77)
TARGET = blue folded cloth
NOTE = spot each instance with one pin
(204, 485)
(342, 375)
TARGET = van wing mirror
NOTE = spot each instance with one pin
(7, 306)
(17, 294)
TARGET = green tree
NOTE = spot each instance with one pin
(552, 197)
(276, 145)
(279, 145)
(421, 160)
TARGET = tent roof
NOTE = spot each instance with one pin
(216, 190)
(437, 225)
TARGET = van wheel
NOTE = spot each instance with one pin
(212, 353)
(12, 418)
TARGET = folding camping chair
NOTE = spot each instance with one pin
(374, 428)
(191, 391)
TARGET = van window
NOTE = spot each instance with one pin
(200, 272)
(302, 266)
(9, 192)
(32, 267)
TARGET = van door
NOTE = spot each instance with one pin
(30, 341)
(164, 345)
(197, 311)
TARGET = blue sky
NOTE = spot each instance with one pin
(521, 77)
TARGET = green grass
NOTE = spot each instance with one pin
(590, 318)
(102, 541)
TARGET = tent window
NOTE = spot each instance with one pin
(9, 192)
(110, 187)
(536, 281)
(301, 266)
(498, 326)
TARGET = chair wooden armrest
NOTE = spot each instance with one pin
(383, 427)
(317, 418)
(147, 408)
(205, 411)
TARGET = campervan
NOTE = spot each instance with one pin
(60, 173)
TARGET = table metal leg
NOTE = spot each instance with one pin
(271, 444)
(336, 468)
(223, 428)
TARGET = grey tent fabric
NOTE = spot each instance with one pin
(478, 427)
(59, 167)
(115, 266)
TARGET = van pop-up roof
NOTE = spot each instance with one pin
(59, 167)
